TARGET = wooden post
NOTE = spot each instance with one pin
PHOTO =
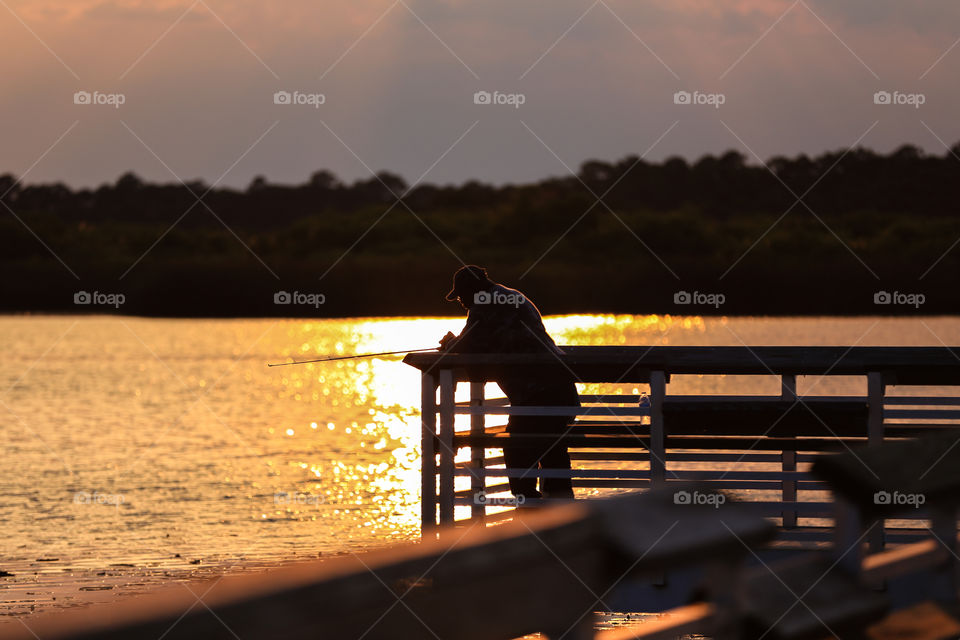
(478, 483)
(723, 580)
(875, 392)
(428, 462)
(658, 452)
(847, 534)
(447, 390)
(788, 459)
(943, 526)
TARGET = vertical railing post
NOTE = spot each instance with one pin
(788, 459)
(876, 389)
(428, 471)
(943, 526)
(658, 451)
(478, 481)
(848, 525)
(447, 404)
(875, 392)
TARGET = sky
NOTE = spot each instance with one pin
(223, 91)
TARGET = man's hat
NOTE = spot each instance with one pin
(468, 279)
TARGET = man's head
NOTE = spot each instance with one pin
(467, 282)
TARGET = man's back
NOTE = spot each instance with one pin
(503, 320)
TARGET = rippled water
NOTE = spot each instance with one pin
(157, 443)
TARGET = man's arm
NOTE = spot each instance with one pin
(470, 340)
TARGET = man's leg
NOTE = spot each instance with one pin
(523, 456)
(555, 456)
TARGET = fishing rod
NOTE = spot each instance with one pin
(362, 355)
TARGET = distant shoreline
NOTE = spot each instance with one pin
(725, 233)
(462, 316)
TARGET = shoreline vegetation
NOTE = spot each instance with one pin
(873, 234)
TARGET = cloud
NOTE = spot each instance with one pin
(166, 13)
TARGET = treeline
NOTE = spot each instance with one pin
(868, 222)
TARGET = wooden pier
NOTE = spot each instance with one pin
(649, 437)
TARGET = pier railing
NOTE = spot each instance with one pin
(759, 447)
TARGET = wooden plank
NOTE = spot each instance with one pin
(686, 474)
(875, 434)
(357, 596)
(740, 457)
(807, 533)
(491, 490)
(875, 393)
(833, 603)
(942, 581)
(636, 428)
(574, 440)
(698, 618)
(446, 448)
(821, 510)
(734, 415)
(900, 365)
(428, 470)
(477, 454)
(696, 534)
(725, 485)
(613, 398)
(788, 459)
(922, 400)
(923, 621)
(657, 442)
(903, 471)
(770, 417)
(553, 411)
(924, 414)
(904, 559)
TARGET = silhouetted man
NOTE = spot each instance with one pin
(503, 320)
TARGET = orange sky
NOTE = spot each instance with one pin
(398, 78)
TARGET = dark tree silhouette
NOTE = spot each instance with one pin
(898, 213)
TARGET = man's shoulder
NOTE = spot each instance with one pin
(498, 300)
